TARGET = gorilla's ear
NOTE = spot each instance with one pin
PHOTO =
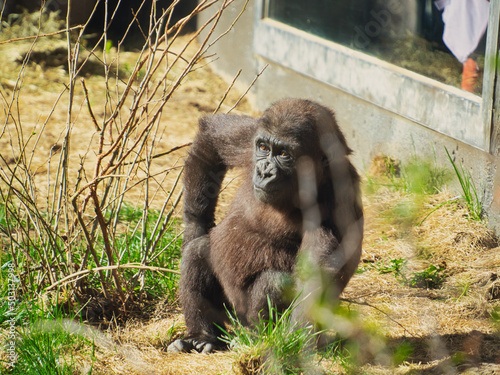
(324, 161)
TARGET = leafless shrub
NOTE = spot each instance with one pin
(67, 228)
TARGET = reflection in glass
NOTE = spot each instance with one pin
(407, 33)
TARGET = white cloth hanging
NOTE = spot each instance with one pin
(465, 22)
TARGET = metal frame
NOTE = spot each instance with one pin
(491, 91)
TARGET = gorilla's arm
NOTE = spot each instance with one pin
(327, 264)
(332, 249)
(223, 141)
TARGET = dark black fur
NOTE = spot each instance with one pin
(300, 195)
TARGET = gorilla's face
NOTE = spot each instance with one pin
(287, 135)
(274, 177)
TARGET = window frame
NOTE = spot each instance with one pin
(445, 109)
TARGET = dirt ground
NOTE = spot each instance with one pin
(449, 327)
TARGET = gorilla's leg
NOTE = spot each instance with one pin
(202, 300)
(268, 286)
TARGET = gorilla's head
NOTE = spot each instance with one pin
(288, 137)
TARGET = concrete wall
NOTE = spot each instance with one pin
(234, 50)
(369, 129)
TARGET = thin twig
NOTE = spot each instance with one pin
(89, 107)
(227, 91)
(91, 249)
(107, 244)
(161, 153)
(116, 267)
(364, 303)
(248, 88)
(78, 27)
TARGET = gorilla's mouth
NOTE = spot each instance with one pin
(267, 194)
(265, 189)
(260, 192)
(257, 188)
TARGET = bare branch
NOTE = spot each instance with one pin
(248, 89)
(79, 274)
(227, 91)
(31, 37)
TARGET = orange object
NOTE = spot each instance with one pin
(470, 73)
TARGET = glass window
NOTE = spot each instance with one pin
(407, 33)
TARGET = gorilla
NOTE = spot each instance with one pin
(300, 198)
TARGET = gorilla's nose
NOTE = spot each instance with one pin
(269, 171)
(265, 175)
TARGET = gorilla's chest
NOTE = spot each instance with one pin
(240, 251)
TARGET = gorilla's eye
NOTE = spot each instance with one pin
(284, 155)
(263, 147)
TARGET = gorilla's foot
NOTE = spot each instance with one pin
(191, 345)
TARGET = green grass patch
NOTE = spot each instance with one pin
(36, 340)
(423, 177)
(48, 351)
(416, 176)
(430, 278)
(469, 190)
(142, 243)
(276, 345)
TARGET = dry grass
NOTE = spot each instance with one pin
(438, 322)
(137, 348)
